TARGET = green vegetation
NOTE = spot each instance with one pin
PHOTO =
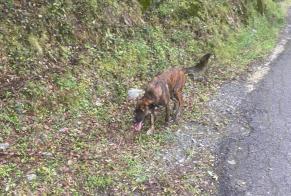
(65, 67)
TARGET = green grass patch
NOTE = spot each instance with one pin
(99, 182)
(135, 169)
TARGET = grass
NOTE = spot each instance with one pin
(69, 121)
(100, 182)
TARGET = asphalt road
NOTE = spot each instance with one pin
(259, 162)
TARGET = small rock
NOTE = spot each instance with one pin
(98, 102)
(134, 93)
(213, 175)
(49, 154)
(65, 169)
(65, 129)
(232, 162)
(4, 146)
(70, 162)
(240, 185)
(181, 160)
(31, 177)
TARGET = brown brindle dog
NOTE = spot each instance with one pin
(163, 88)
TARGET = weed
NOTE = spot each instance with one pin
(135, 169)
(47, 173)
(99, 182)
(33, 41)
(6, 170)
(10, 118)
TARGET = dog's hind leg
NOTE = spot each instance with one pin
(178, 104)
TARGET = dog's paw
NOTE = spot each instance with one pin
(176, 119)
(168, 123)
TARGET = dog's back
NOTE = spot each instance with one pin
(166, 83)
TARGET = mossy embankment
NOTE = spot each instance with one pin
(66, 66)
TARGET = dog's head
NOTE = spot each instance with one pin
(143, 108)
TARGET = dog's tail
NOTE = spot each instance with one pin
(200, 67)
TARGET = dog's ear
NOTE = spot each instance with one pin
(150, 95)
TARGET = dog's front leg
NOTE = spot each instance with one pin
(152, 128)
(167, 119)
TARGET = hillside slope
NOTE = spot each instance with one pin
(66, 66)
